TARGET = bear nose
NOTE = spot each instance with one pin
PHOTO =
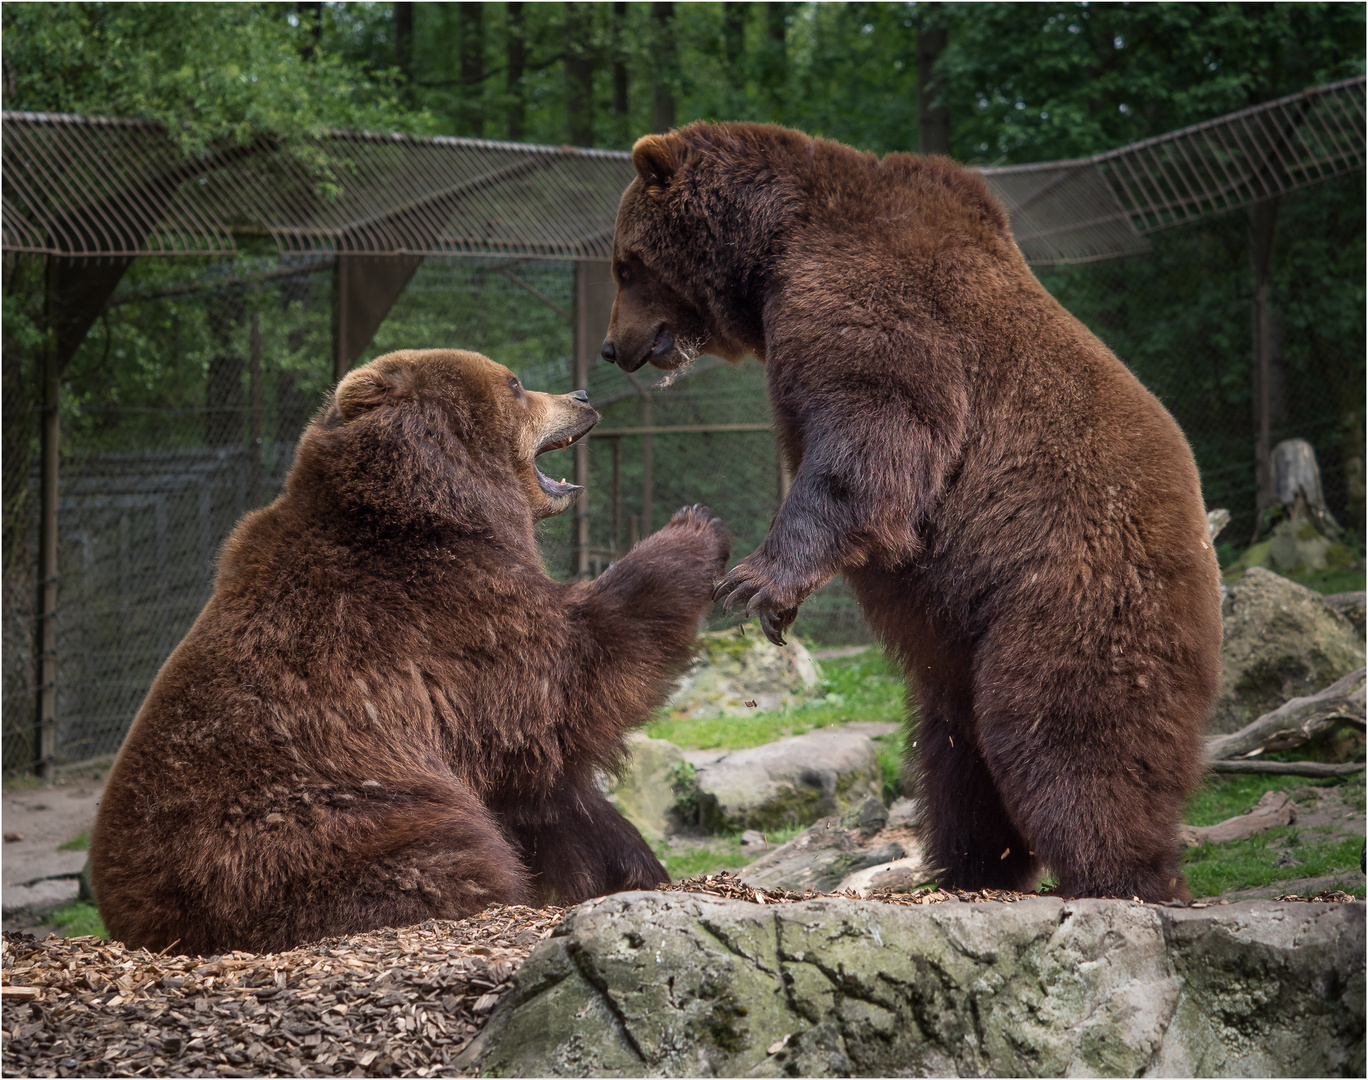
(609, 352)
(582, 396)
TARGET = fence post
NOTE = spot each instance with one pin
(46, 743)
(254, 413)
(594, 293)
(647, 462)
(1263, 218)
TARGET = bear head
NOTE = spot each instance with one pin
(440, 436)
(697, 232)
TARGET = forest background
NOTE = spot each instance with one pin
(988, 83)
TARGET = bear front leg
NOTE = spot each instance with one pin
(640, 617)
(577, 846)
(874, 418)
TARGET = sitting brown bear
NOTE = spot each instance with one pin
(387, 712)
(1020, 519)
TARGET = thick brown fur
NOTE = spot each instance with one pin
(387, 712)
(1020, 519)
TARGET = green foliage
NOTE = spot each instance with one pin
(79, 919)
(79, 842)
(1035, 82)
(212, 73)
(684, 784)
(863, 687)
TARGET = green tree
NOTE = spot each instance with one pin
(211, 73)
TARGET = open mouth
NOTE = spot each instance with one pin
(661, 344)
(558, 489)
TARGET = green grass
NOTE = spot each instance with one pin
(717, 853)
(1223, 796)
(78, 919)
(23, 782)
(1336, 580)
(1213, 869)
(80, 842)
(863, 687)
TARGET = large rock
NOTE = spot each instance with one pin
(670, 984)
(831, 850)
(1281, 641)
(1351, 605)
(738, 671)
(643, 789)
(790, 782)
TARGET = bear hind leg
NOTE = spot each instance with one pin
(973, 838)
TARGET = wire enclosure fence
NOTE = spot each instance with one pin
(181, 405)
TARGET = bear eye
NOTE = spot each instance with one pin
(515, 386)
(624, 275)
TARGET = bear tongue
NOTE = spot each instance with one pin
(554, 488)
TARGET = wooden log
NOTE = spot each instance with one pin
(1286, 768)
(1275, 809)
(1295, 721)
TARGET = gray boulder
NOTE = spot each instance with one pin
(790, 782)
(670, 984)
(1281, 641)
(822, 856)
(1351, 605)
(643, 789)
(737, 671)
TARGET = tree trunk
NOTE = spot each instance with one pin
(620, 65)
(662, 93)
(734, 38)
(776, 54)
(579, 74)
(1263, 218)
(516, 61)
(933, 116)
(403, 42)
(472, 70)
(311, 11)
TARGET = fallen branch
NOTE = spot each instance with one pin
(1272, 811)
(1293, 723)
(1286, 768)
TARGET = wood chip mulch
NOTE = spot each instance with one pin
(383, 1003)
(389, 1002)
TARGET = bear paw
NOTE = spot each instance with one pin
(749, 584)
(699, 519)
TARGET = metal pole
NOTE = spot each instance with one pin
(1262, 220)
(339, 320)
(254, 414)
(617, 495)
(594, 292)
(47, 548)
(647, 465)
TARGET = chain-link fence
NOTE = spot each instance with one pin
(181, 408)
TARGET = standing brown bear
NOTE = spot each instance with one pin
(1020, 519)
(387, 712)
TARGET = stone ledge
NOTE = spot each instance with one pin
(672, 984)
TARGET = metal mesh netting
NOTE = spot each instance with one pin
(180, 413)
(181, 406)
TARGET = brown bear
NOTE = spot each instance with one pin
(387, 711)
(1021, 521)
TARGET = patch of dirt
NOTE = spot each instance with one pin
(37, 876)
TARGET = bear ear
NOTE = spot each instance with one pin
(657, 158)
(369, 387)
